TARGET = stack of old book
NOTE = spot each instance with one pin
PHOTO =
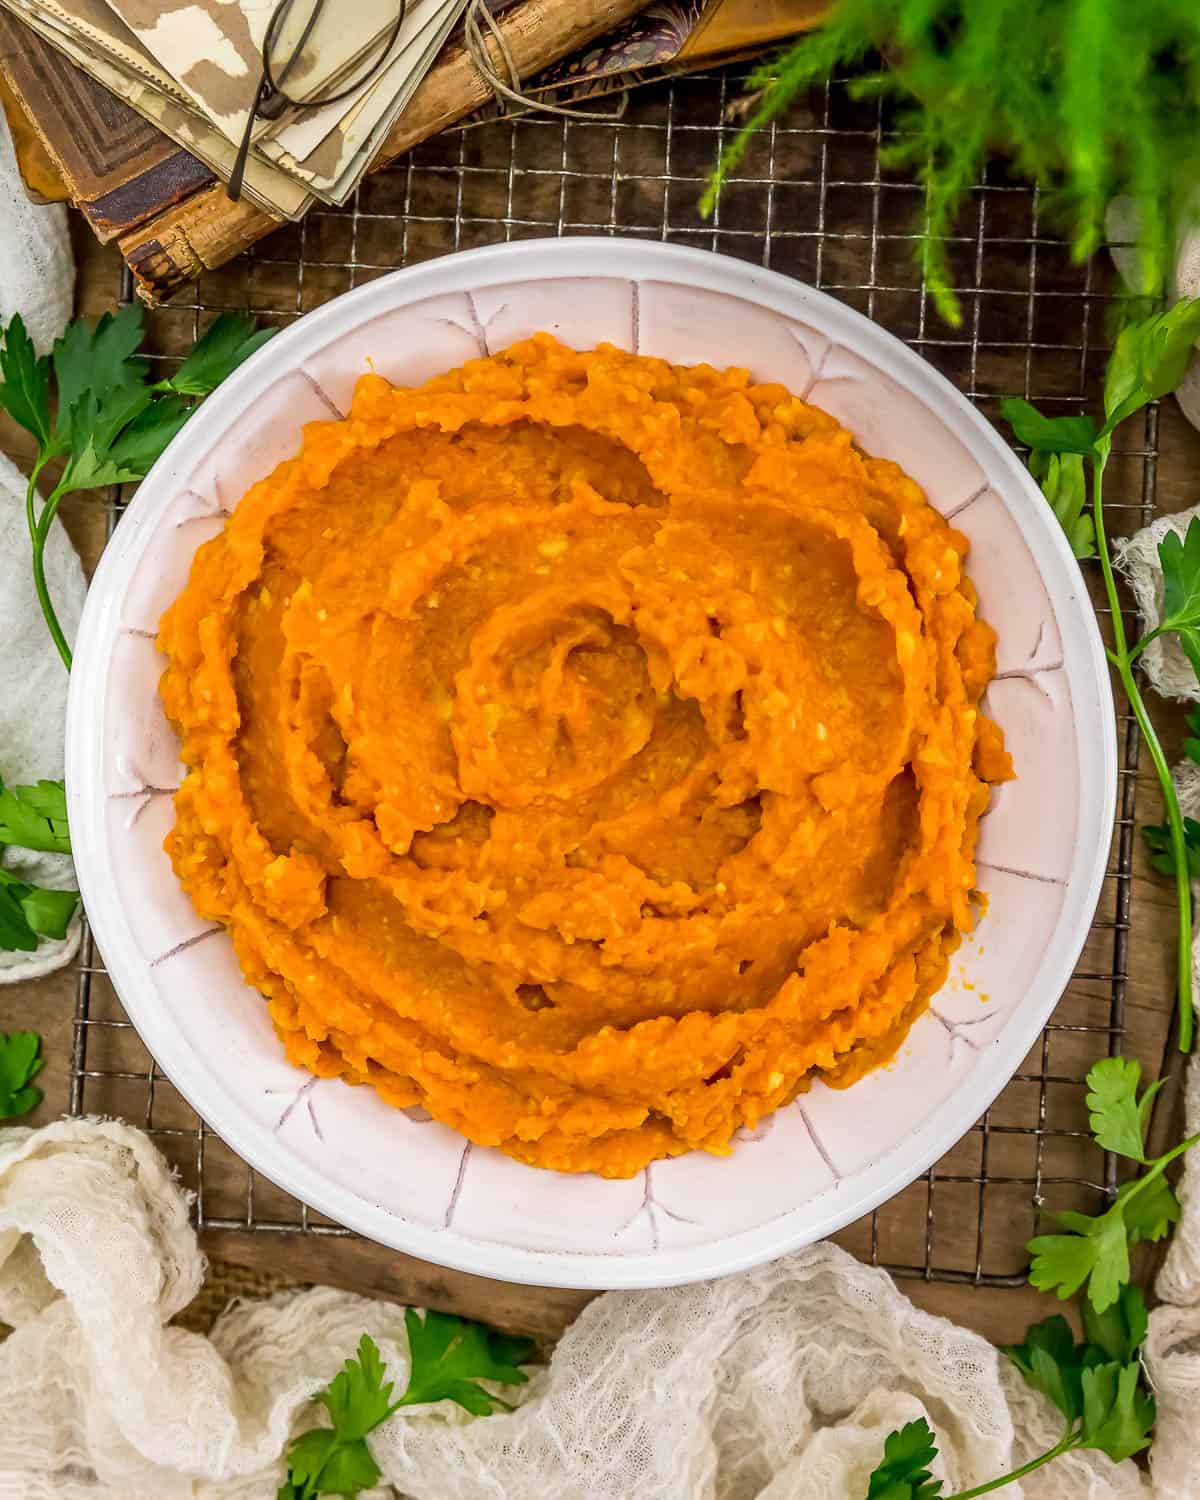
(193, 70)
(145, 106)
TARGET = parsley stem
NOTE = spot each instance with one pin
(1122, 659)
(1068, 1441)
(1179, 852)
(39, 530)
(1160, 1164)
(1139, 646)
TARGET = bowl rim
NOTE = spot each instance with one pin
(589, 257)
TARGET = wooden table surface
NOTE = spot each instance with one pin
(1001, 1314)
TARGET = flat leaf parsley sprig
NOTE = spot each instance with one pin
(448, 1357)
(109, 422)
(1148, 361)
(1098, 1386)
(1095, 1249)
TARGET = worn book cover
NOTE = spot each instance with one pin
(671, 37)
(118, 169)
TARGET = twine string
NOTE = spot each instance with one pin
(477, 19)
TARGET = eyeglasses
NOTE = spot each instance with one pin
(288, 31)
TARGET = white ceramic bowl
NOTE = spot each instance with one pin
(830, 1157)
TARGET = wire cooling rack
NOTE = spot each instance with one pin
(810, 199)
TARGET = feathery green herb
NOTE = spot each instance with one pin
(1088, 98)
(108, 422)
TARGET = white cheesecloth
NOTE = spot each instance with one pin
(777, 1384)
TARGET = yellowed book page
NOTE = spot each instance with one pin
(213, 48)
(301, 135)
(266, 185)
(335, 165)
(94, 28)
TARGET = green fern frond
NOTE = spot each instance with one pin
(779, 83)
(1090, 98)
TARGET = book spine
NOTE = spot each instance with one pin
(207, 229)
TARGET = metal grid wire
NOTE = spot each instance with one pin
(810, 199)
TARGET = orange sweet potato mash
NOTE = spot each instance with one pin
(585, 749)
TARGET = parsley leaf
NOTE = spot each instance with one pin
(1048, 434)
(16, 935)
(1149, 359)
(138, 446)
(1097, 1386)
(307, 1456)
(359, 1398)
(29, 912)
(1180, 560)
(1162, 855)
(1117, 1413)
(1061, 478)
(447, 1357)
(1096, 1251)
(1120, 1330)
(1150, 1214)
(1059, 445)
(95, 361)
(25, 381)
(1191, 746)
(19, 1065)
(230, 340)
(120, 440)
(904, 1472)
(1117, 1117)
(35, 817)
(97, 420)
(46, 913)
(349, 1469)
(108, 419)
(49, 912)
(1052, 1363)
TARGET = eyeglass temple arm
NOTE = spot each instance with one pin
(268, 102)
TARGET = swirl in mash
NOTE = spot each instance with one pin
(584, 748)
